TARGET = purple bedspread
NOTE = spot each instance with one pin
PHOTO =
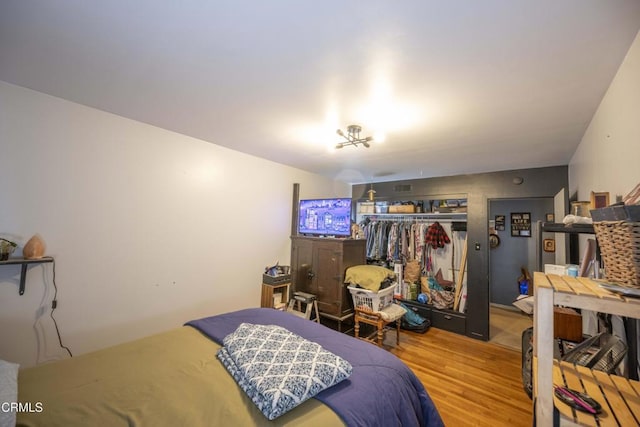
(381, 391)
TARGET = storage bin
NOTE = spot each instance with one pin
(366, 207)
(449, 321)
(276, 280)
(374, 301)
(402, 209)
(620, 249)
(616, 213)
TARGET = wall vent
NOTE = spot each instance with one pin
(402, 188)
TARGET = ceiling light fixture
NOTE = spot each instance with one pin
(353, 137)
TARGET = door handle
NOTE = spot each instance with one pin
(310, 274)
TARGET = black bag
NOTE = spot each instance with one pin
(527, 361)
(422, 328)
(412, 321)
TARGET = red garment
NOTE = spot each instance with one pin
(436, 236)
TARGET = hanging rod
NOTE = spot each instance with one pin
(453, 216)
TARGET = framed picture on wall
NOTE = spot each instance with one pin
(494, 241)
(521, 224)
(549, 217)
(549, 245)
(599, 200)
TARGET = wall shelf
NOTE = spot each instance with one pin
(411, 216)
(554, 227)
(24, 263)
(572, 230)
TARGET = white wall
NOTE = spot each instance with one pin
(148, 228)
(608, 157)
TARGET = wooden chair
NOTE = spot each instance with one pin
(379, 320)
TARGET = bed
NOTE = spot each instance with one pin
(174, 378)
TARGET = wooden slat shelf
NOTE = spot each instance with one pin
(619, 396)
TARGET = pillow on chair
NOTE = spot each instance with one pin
(368, 276)
(392, 312)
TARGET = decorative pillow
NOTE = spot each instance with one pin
(8, 391)
(368, 276)
(278, 369)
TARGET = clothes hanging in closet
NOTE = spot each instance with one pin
(403, 240)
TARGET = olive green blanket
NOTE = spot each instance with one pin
(169, 379)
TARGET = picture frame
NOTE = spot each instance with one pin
(549, 245)
(521, 224)
(549, 217)
(599, 199)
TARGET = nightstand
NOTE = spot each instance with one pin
(268, 292)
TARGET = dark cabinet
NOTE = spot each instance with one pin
(318, 266)
(449, 320)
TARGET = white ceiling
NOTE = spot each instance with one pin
(457, 86)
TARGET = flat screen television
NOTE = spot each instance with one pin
(325, 217)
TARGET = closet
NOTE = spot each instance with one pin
(478, 189)
(406, 235)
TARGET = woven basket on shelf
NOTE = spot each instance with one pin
(620, 248)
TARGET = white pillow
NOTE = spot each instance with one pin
(8, 391)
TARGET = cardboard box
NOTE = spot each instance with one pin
(366, 207)
(555, 269)
(402, 209)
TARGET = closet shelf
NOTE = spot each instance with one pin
(412, 216)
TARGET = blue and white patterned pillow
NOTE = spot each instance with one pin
(278, 369)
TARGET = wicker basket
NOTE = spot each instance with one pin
(620, 248)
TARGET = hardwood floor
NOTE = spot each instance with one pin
(506, 326)
(472, 383)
